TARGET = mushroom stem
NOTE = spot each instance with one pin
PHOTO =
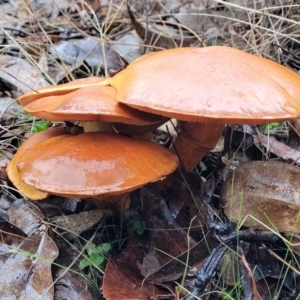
(194, 141)
(97, 126)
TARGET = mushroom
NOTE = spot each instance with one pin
(92, 105)
(59, 89)
(206, 88)
(93, 164)
(12, 170)
(221, 85)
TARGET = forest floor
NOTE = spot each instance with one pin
(207, 234)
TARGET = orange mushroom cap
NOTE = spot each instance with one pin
(12, 171)
(92, 103)
(214, 84)
(94, 163)
(60, 89)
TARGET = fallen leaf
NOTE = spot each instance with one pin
(128, 46)
(73, 225)
(93, 52)
(279, 148)
(19, 75)
(268, 191)
(122, 269)
(26, 216)
(10, 106)
(26, 274)
(70, 285)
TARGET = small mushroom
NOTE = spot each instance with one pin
(60, 89)
(206, 88)
(93, 105)
(93, 164)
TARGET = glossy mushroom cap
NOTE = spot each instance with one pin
(88, 100)
(12, 171)
(92, 103)
(94, 163)
(214, 84)
(62, 89)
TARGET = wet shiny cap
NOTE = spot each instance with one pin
(56, 90)
(93, 103)
(12, 171)
(94, 163)
(213, 84)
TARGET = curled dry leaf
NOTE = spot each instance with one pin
(268, 191)
(279, 148)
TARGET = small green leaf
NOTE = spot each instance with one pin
(203, 166)
(97, 259)
(84, 263)
(104, 248)
(91, 249)
(268, 128)
(39, 126)
(139, 226)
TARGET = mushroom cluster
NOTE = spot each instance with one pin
(204, 88)
(98, 162)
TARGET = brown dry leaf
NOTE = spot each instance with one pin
(122, 269)
(187, 202)
(268, 191)
(151, 263)
(77, 223)
(19, 75)
(172, 238)
(267, 288)
(279, 148)
(26, 274)
(166, 234)
(10, 234)
(195, 256)
(265, 264)
(26, 216)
